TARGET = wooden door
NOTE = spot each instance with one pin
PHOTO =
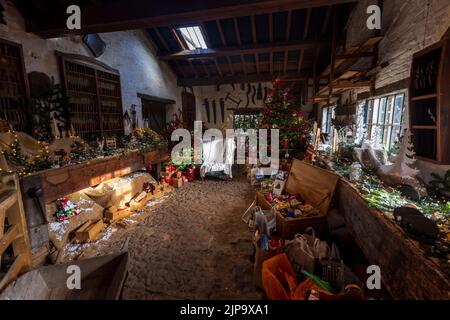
(154, 112)
(188, 104)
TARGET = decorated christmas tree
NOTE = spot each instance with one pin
(283, 112)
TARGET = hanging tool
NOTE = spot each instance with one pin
(236, 101)
(206, 104)
(214, 111)
(265, 94)
(259, 93)
(222, 109)
(254, 95)
(249, 90)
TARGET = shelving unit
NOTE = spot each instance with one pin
(430, 102)
(95, 97)
(13, 86)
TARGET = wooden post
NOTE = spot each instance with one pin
(17, 235)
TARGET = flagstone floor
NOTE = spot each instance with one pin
(191, 246)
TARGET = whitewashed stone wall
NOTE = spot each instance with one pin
(408, 27)
(130, 52)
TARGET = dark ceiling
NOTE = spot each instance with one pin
(295, 44)
(248, 40)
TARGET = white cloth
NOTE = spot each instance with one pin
(218, 155)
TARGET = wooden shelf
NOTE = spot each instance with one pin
(430, 102)
(14, 89)
(93, 78)
(424, 127)
(425, 97)
(109, 97)
(80, 74)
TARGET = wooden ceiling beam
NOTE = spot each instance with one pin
(307, 23)
(194, 70)
(326, 21)
(257, 62)
(355, 55)
(300, 60)
(246, 49)
(221, 34)
(137, 14)
(270, 27)
(288, 25)
(219, 71)
(285, 61)
(192, 82)
(161, 38)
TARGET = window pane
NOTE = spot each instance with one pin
(389, 110)
(376, 106)
(395, 136)
(398, 112)
(324, 119)
(382, 111)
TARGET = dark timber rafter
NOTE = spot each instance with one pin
(121, 15)
(246, 49)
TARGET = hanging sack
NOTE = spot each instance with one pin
(265, 220)
(300, 254)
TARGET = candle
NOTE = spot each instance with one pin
(55, 128)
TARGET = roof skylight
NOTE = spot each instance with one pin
(193, 37)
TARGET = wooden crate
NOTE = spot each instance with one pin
(113, 215)
(316, 186)
(139, 201)
(288, 228)
(89, 230)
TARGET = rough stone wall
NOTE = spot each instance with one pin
(408, 27)
(130, 52)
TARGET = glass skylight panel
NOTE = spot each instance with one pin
(193, 37)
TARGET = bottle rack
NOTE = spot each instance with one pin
(13, 86)
(430, 102)
(95, 99)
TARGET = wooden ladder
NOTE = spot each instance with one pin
(11, 208)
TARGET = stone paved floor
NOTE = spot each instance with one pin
(192, 246)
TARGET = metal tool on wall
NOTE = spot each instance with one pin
(208, 115)
(222, 109)
(254, 95)
(259, 93)
(236, 101)
(214, 111)
(249, 91)
(265, 94)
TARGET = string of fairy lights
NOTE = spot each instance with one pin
(142, 140)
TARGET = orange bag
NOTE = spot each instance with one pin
(280, 282)
(278, 278)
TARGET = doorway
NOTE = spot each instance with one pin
(154, 112)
